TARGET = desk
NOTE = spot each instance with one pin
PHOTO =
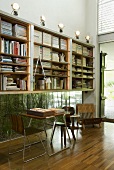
(55, 113)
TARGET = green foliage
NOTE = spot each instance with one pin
(109, 84)
(19, 103)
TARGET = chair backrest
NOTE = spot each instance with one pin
(69, 109)
(17, 123)
(85, 110)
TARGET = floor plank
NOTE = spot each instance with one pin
(93, 150)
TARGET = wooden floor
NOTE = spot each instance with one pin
(93, 150)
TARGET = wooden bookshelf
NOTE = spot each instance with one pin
(51, 60)
(14, 54)
(34, 58)
(82, 66)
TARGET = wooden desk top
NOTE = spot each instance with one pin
(39, 113)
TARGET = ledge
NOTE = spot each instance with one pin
(43, 91)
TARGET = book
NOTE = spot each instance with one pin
(55, 42)
(37, 36)
(19, 31)
(63, 44)
(6, 28)
(46, 39)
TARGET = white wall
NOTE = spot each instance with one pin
(70, 12)
(74, 14)
(91, 29)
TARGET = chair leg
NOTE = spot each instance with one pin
(24, 148)
(68, 133)
(11, 153)
(83, 126)
(53, 130)
(64, 129)
(72, 131)
(44, 125)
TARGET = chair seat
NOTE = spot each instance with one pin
(92, 121)
(60, 123)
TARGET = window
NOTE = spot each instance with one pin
(105, 16)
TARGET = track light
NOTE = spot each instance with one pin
(61, 26)
(87, 38)
(42, 19)
(77, 33)
(15, 7)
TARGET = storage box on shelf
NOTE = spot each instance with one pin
(14, 51)
(51, 61)
(82, 66)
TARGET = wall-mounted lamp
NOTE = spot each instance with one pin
(87, 38)
(42, 20)
(77, 33)
(15, 7)
(61, 26)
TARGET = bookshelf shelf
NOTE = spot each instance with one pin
(14, 73)
(14, 55)
(13, 64)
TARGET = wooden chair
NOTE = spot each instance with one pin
(71, 110)
(86, 112)
(17, 125)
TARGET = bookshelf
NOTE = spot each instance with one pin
(36, 59)
(51, 60)
(82, 66)
(14, 54)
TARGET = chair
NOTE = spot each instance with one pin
(86, 112)
(71, 111)
(17, 125)
(64, 124)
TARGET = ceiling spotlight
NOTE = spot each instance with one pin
(77, 33)
(87, 38)
(15, 8)
(42, 20)
(61, 26)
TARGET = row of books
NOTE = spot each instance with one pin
(59, 73)
(17, 30)
(13, 47)
(58, 83)
(77, 48)
(51, 83)
(42, 52)
(48, 39)
(8, 59)
(59, 66)
(6, 28)
(9, 83)
(81, 50)
(8, 68)
(87, 52)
